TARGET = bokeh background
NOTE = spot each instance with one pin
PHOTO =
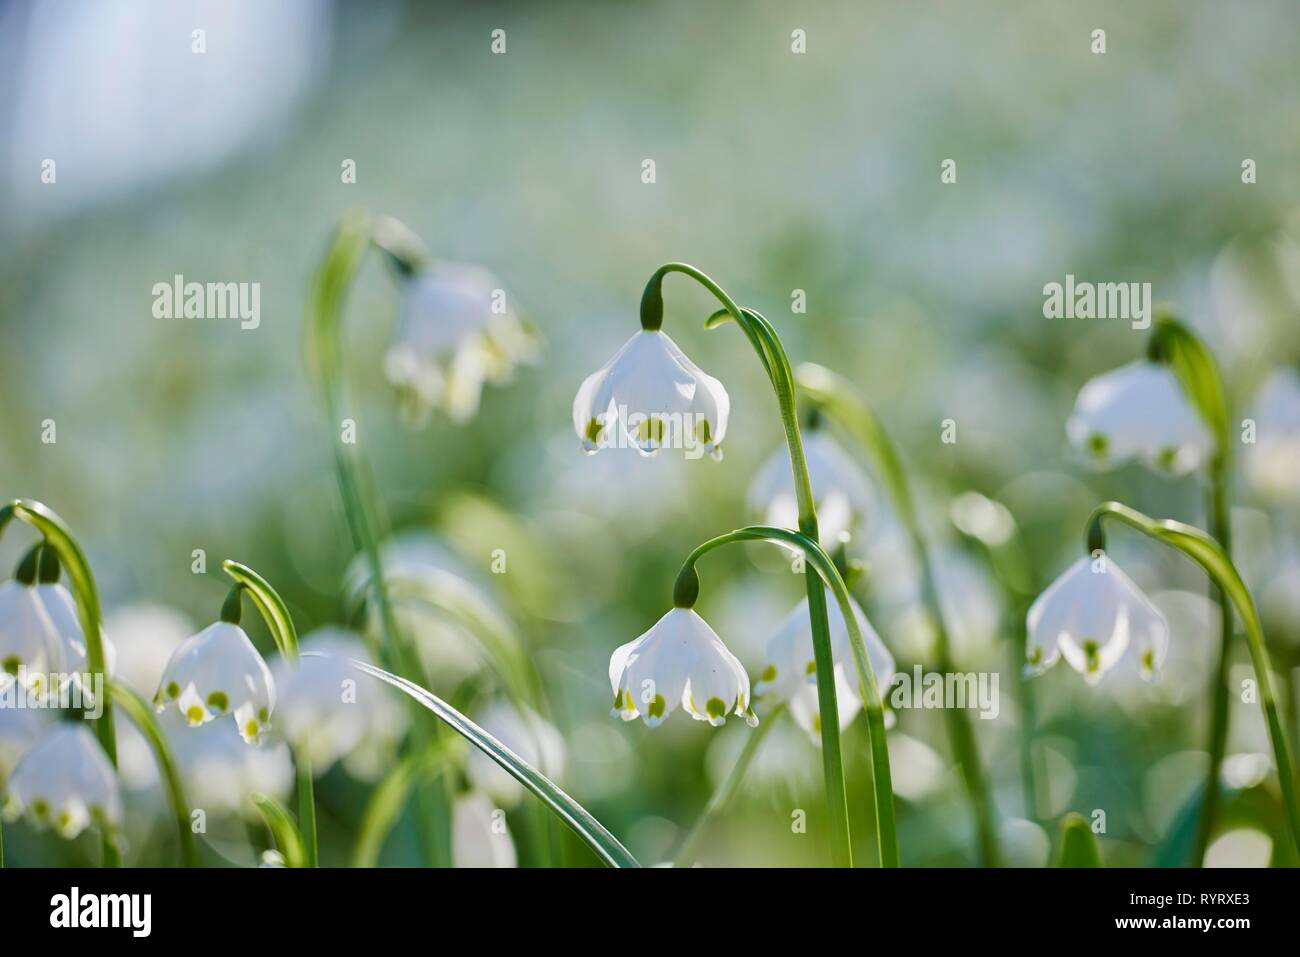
(775, 172)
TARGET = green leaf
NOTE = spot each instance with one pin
(1079, 846)
(1197, 372)
(283, 829)
(271, 606)
(578, 818)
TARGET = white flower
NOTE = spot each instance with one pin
(679, 661)
(842, 492)
(327, 709)
(1138, 411)
(62, 609)
(1272, 463)
(788, 663)
(216, 672)
(147, 637)
(456, 333)
(20, 729)
(30, 648)
(805, 705)
(479, 836)
(1089, 615)
(654, 397)
(66, 782)
(526, 734)
(220, 769)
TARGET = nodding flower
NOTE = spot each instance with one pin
(66, 783)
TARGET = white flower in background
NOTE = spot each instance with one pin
(526, 734)
(1272, 463)
(842, 491)
(62, 610)
(220, 769)
(147, 636)
(680, 660)
(30, 648)
(788, 663)
(20, 729)
(805, 706)
(217, 672)
(1090, 614)
(66, 783)
(479, 836)
(456, 332)
(1138, 411)
(654, 397)
(329, 710)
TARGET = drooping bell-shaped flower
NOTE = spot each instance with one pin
(842, 492)
(457, 332)
(65, 782)
(220, 769)
(62, 609)
(679, 661)
(30, 648)
(20, 730)
(1272, 461)
(479, 836)
(788, 662)
(528, 735)
(1090, 615)
(219, 672)
(651, 396)
(324, 708)
(1139, 411)
(805, 706)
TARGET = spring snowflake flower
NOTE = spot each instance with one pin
(1089, 615)
(20, 730)
(843, 493)
(66, 783)
(1138, 411)
(456, 333)
(30, 647)
(1272, 463)
(526, 734)
(680, 660)
(152, 633)
(653, 397)
(220, 769)
(327, 709)
(217, 672)
(805, 706)
(788, 663)
(62, 610)
(479, 836)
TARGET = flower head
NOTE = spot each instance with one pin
(30, 648)
(1273, 462)
(1139, 411)
(456, 333)
(216, 672)
(653, 397)
(843, 492)
(526, 734)
(66, 783)
(680, 660)
(1090, 615)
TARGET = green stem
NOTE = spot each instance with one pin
(387, 799)
(1214, 560)
(280, 822)
(57, 536)
(824, 567)
(726, 791)
(767, 345)
(142, 714)
(280, 623)
(329, 289)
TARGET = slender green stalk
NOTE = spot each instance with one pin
(767, 345)
(325, 350)
(833, 394)
(280, 623)
(823, 566)
(142, 714)
(1214, 560)
(386, 801)
(57, 536)
(1079, 846)
(726, 791)
(280, 822)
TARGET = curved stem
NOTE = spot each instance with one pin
(280, 623)
(142, 715)
(767, 344)
(820, 564)
(1214, 560)
(283, 830)
(726, 791)
(57, 536)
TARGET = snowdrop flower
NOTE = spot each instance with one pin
(526, 734)
(326, 711)
(1272, 464)
(456, 333)
(220, 769)
(30, 648)
(1090, 614)
(843, 493)
(66, 783)
(1138, 411)
(216, 672)
(680, 660)
(651, 396)
(788, 663)
(479, 836)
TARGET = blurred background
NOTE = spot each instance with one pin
(774, 172)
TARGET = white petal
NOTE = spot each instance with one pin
(218, 671)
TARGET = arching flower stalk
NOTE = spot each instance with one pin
(674, 402)
(835, 398)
